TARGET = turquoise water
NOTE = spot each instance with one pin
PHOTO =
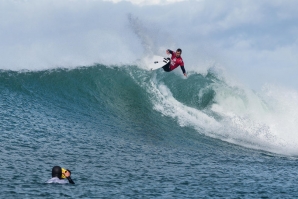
(129, 133)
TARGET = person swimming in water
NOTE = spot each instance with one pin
(58, 175)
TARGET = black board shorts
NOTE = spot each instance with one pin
(167, 67)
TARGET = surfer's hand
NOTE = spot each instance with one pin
(167, 52)
(185, 74)
(67, 173)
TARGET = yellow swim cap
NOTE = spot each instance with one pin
(63, 172)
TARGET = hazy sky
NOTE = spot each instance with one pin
(254, 40)
(147, 2)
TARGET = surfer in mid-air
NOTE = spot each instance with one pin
(175, 61)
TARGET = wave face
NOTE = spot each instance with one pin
(130, 97)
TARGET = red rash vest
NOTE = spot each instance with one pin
(176, 61)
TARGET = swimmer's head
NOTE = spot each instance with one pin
(57, 172)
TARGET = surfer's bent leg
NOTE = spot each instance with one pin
(167, 67)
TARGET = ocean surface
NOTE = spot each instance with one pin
(126, 132)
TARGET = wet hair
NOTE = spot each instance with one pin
(179, 50)
(56, 172)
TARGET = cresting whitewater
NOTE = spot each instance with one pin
(126, 132)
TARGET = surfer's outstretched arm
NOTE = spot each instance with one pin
(67, 175)
(183, 70)
(169, 51)
(70, 180)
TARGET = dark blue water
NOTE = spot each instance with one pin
(115, 131)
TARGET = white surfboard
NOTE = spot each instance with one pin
(157, 62)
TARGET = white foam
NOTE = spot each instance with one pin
(266, 120)
(165, 103)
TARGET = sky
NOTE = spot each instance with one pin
(255, 41)
(147, 2)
